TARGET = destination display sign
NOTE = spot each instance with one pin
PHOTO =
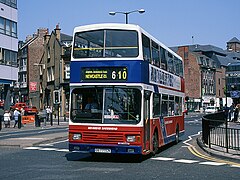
(104, 74)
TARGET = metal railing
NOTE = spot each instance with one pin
(216, 131)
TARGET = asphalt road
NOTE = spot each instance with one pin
(51, 160)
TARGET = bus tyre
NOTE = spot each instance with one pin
(177, 136)
(155, 143)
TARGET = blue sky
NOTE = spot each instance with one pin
(173, 22)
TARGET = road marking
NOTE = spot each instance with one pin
(237, 166)
(46, 149)
(163, 159)
(212, 163)
(51, 144)
(31, 148)
(195, 152)
(185, 161)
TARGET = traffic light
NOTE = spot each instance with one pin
(56, 97)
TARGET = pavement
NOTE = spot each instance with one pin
(216, 151)
(30, 135)
(60, 132)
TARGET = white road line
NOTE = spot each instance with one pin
(212, 163)
(31, 148)
(163, 159)
(190, 138)
(235, 166)
(51, 144)
(185, 161)
(46, 149)
(62, 150)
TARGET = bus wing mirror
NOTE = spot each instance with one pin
(147, 95)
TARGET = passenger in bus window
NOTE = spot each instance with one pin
(91, 104)
(176, 108)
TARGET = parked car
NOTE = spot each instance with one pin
(18, 106)
(211, 109)
(30, 110)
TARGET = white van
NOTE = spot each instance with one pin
(211, 109)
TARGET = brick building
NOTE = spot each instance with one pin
(204, 67)
(29, 56)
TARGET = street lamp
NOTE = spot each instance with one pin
(127, 13)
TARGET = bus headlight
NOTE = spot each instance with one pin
(131, 138)
(77, 136)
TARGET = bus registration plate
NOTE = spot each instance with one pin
(97, 150)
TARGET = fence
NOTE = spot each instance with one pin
(216, 131)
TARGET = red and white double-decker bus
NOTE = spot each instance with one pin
(126, 89)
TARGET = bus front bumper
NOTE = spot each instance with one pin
(96, 148)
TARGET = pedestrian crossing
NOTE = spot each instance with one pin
(189, 161)
(160, 158)
(46, 149)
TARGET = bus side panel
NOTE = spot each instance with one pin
(171, 124)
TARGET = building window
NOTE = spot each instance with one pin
(50, 74)
(2, 25)
(9, 57)
(11, 3)
(8, 27)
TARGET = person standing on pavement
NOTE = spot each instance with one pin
(49, 111)
(16, 115)
(7, 119)
(231, 110)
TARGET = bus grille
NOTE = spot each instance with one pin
(102, 137)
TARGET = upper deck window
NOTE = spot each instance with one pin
(105, 43)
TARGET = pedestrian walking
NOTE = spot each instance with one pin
(16, 115)
(231, 111)
(226, 111)
(236, 111)
(7, 119)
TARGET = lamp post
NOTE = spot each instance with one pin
(127, 13)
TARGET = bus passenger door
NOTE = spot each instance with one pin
(147, 95)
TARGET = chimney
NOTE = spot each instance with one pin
(42, 31)
(57, 31)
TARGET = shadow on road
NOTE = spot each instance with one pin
(76, 156)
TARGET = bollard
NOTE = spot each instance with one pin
(37, 121)
(51, 119)
(0, 124)
(58, 114)
(19, 121)
(45, 121)
(64, 117)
